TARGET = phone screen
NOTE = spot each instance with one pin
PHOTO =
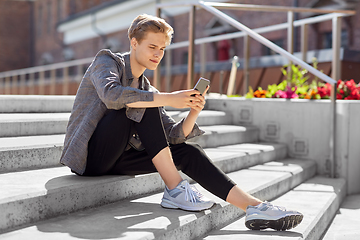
(201, 85)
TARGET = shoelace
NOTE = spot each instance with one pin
(191, 193)
(271, 206)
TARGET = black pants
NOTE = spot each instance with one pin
(107, 155)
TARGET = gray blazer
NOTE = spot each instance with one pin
(106, 85)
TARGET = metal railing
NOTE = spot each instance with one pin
(336, 31)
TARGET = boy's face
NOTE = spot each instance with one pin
(150, 51)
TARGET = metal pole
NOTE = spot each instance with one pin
(65, 80)
(31, 83)
(52, 81)
(41, 82)
(7, 85)
(14, 84)
(336, 43)
(290, 40)
(336, 73)
(203, 59)
(304, 41)
(332, 141)
(168, 70)
(22, 84)
(246, 63)
(190, 75)
(156, 78)
(232, 78)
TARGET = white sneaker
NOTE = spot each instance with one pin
(266, 215)
(186, 197)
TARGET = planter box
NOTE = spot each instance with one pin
(304, 125)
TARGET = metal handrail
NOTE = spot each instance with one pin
(266, 42)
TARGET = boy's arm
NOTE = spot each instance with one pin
(178, 99)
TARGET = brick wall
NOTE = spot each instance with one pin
(15, 36)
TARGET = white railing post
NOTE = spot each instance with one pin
(290, 40)
(336, 43)
(22, 84)
(246, 64)
(65, 81)
(232, 78)
(168, 70)
(41, 82)
(203, 59)
(52, 81)
(304, 41)
(14, 84)
(190, 76)
(7, 85)
(31, 83)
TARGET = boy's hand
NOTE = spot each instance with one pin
(184, 99)
(199, 104)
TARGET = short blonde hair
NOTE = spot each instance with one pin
(145, 23)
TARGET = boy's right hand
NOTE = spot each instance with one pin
(183, 98)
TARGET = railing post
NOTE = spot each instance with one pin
(203, 59)
(65, 80)
(232, 78)
(332, 142)
(156, 76)
(22, 84)
(7, 85)
(14, 84)
(168, 70)
(190, 75)
(290, 40)
(304, 41)
(41, 82)
(52, 81)
(336, 43)
(31, 83)
(246, 63)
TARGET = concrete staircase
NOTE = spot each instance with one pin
(41, 199)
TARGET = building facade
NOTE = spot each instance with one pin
(41, 32)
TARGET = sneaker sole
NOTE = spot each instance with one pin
(281, 224)
(169, 204)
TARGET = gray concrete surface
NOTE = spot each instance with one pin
(143, 218)
(346, 224)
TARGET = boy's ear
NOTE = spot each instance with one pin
(133, 43)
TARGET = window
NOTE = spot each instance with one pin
(327, 39)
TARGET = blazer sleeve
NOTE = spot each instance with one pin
(174, 130)
(105, 75)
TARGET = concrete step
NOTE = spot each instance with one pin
(32, 152)
(221, 135)
(31, 124)
(345, 225)
(142, 217)
(35, 103)
(318, 199)
(33, 195)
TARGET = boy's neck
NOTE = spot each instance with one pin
(136, 69)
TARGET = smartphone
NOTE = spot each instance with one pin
(201, 85)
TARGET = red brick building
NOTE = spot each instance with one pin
(41, 32)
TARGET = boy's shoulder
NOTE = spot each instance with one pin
(108, 55)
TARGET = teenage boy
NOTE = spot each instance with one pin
(118, 125)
